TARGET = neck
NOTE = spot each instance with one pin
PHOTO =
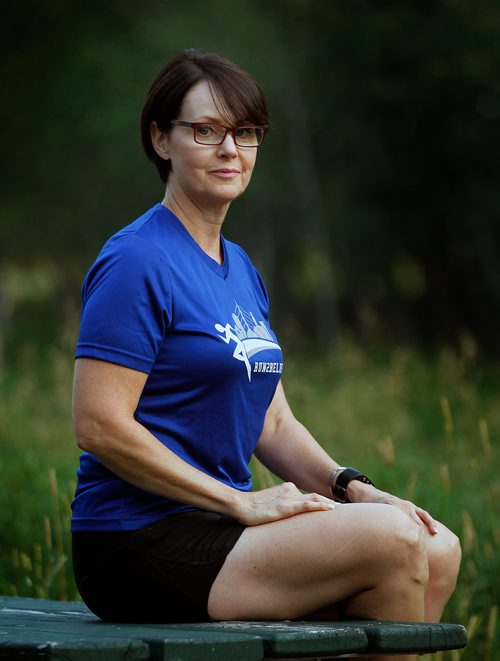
(204, 225)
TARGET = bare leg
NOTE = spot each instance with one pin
(369, 559)
(444, 554)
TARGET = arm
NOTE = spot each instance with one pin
(288, 449)
(105, 397)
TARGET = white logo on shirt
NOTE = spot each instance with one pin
(249, 336)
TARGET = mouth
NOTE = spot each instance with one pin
(225, 172)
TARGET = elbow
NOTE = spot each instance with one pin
(91, 435)
(86, 436)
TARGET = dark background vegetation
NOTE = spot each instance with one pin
(375, 207)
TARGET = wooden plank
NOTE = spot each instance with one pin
(165, 642)
(417, 637)
(296, 639)
(27, 645)
(280, 639)
(277, 639)
(382, 637)
(161, 644)
(43, 605)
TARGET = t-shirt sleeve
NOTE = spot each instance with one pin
(126, 304)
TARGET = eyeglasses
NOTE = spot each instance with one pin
(215, 134)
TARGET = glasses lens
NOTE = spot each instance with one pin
(249, 136)
(209, 134)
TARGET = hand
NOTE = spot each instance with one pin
(279, 502)
(420, 516)
(369, 494)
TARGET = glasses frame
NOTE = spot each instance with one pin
(227, 129)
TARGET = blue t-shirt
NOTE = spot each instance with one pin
(154, 301)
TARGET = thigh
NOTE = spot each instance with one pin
(289, 568)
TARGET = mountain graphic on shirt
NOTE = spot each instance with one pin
(251, 336)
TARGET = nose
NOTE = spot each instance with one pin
(228, 145)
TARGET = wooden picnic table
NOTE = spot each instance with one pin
(41, 628)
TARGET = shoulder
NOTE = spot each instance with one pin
(132, 255)
(243, 262)
(237, 250)
(127, 255)
(237, 254)
(145, 235)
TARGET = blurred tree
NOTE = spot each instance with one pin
(376, 187)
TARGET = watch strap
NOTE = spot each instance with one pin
(339, 490)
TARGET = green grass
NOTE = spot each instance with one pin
(38, 459)
(426, 430)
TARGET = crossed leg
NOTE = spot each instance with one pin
(363, 560)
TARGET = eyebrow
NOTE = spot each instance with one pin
(208, 120)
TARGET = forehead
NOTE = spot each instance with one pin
(199, 103)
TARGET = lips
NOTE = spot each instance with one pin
(225, 172)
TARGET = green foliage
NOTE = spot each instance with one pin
(38, 467)
(425, 430)
(375, 202)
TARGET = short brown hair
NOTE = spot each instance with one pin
(237, 95)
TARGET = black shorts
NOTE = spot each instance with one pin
(161, 573)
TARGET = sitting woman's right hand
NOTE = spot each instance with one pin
(279, 502)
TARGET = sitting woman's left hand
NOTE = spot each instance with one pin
(373, 495)
(419, 515)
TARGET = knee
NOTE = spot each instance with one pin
(407, 551)
(444, 556)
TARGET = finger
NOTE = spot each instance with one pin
(288, 488)
(414, 516)
(292, 508)
(318, 505)
(323, 499)
(427, 519)
(308, 504)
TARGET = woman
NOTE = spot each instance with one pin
(177, 383)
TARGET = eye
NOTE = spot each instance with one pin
(245, 132)
(206, 130)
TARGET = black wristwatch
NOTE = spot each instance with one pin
(339, 490)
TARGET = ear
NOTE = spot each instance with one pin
(159, 140)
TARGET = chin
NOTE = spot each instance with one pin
(226, 196)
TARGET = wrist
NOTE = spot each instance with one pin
(359, 492)
(332, 479)
(237, 504)
(341, 479)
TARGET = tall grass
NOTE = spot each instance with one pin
(38, 459)
(426, 430)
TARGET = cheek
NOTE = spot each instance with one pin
(186, 155)
(188, 165)
(249, 162)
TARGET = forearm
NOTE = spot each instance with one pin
(294, 455)
(130, 451)
(297, 457)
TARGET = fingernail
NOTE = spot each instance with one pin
(331, 506)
